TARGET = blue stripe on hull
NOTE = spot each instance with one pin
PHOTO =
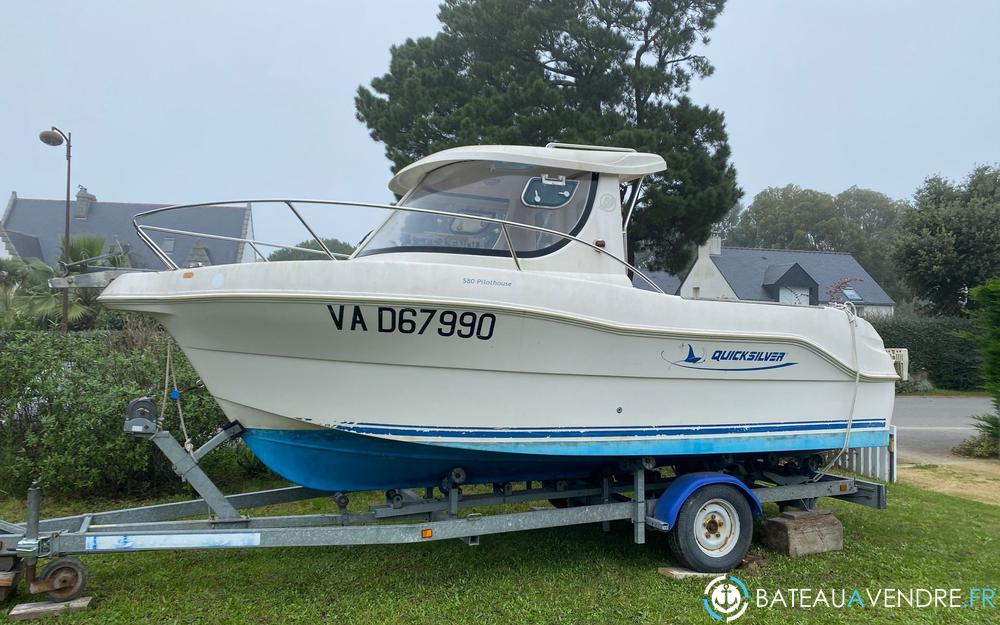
(606, 431)
(688, 445)
(334, 460)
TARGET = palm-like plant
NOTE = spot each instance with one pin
(41, 303)
(989, 424)
(26, 291)
(11, 306)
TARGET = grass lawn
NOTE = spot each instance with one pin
(972, 478)
(575, 575)
(943, 392)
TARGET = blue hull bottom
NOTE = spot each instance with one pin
(335, 460)
(332, 460)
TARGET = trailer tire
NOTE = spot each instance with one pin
(72, 571)
(713, 529)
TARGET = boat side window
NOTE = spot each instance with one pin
(554, 199)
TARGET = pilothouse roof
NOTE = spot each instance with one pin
(627, 164)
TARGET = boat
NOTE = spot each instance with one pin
(490, 330)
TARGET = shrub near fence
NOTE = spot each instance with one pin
(937, 346)
(62, 406)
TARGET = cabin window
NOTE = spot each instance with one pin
(554, 199)
(548, 192)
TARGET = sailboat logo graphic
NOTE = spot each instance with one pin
(691, 358)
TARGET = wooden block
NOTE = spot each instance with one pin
(9, 578)
(806, 514)
(799, 533)
(677, 572)
(28, 611)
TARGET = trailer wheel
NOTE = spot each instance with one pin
(71, 576)
(713, 529)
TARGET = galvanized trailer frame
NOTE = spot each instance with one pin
(406, 517)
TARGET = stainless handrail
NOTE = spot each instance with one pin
(503, 223)
(252, 242)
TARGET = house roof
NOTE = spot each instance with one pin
(24, 245)
(668, 282)
(43, 221)
(748, 270)
(627, 164)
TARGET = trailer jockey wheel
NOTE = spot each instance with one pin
(69, 576)
(713, 529)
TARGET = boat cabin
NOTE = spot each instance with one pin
(561, 208)
(534, 201)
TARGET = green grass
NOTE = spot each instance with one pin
(943, 392)
(574, 576)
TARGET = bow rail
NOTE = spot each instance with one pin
(141, 230)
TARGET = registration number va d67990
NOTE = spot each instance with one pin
(466, 325)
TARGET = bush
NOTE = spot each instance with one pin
(986, 444)
(939, 346)
(62, 405)
(986, 320)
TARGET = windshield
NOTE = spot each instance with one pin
(555, 199)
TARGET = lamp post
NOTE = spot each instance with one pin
(55, 137)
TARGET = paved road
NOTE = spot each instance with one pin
(928, 427)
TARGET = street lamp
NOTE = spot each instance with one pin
(55, 137)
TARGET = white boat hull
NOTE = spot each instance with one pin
(544, 365)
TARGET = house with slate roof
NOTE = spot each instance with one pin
(799, 277)
(33, 228)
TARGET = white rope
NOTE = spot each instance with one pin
(169, 376)
(166, 382)
(852, 320)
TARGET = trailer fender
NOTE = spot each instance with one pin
(670, 502)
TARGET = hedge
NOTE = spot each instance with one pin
(939, 346)
(986, 317)
(62, 406)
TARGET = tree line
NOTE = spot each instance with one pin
(931, 251)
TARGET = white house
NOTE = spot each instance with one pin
(788, 276)
(33, 228)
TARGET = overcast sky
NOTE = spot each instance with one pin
(202, 100)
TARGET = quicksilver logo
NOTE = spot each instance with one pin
(743, 355)
(731, 360)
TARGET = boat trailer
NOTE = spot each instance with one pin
(639, 495)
